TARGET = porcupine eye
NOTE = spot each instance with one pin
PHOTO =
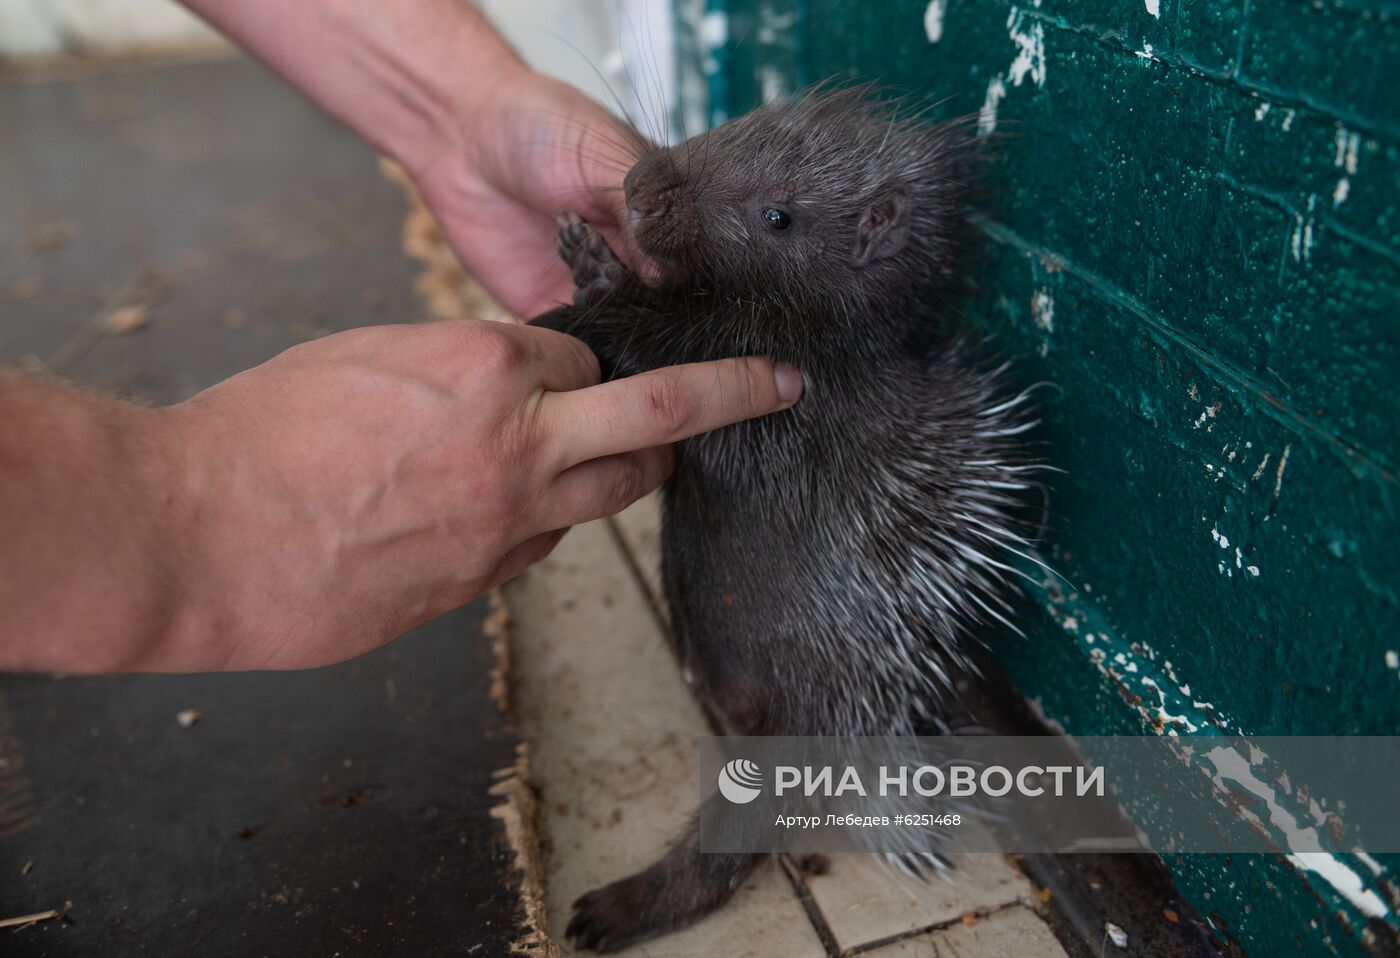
(776, 218)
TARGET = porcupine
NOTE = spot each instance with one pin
(822, 566)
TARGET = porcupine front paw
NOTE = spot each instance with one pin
(597, 270)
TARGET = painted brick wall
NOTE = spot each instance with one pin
(1195, 236)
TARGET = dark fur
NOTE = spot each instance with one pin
(823, 565)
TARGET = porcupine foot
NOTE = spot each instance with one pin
(683, 886)
(597, 270)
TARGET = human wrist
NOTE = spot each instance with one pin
(186, 473)
(85, 567)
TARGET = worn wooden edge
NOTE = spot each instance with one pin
(518, 810)
(50, 67)
(444, 286)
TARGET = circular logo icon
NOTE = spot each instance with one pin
(740, 781)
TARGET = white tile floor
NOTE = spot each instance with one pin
(612, 730)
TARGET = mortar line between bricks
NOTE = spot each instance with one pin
(1327, 223)
(1368, 461)
(1111, 39)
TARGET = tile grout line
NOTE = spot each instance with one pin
(810, 906)
(795, 878)
(634, 568)
(978, 913)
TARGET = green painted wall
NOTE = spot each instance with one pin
(1195, 235)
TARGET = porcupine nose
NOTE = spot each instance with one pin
(649, 187)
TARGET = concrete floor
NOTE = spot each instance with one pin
(612, 729)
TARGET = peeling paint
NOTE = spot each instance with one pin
(1043, 310)
(773, 83)
(1282, 465)
(1348, 145)
(1347, 883)
(714, 29)
(1392, 659)
(987, 116)
(1174, 724)
(1154, 7)
(1030, 55)
(1341, 191)
(1302, 238)
(933, 20)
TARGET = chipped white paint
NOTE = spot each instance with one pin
(1288, 114)
(1262, 464)
(773, 84)
(1304, 839)
(1163, 718)
(1030, 48)
(1232, 766)
(1043, 310)
(1154, 7)
(1146, 53)
(1392, 659)
(1219, 537)
(987, 116)
(1302, 239)
(1346, 882)
(714, 29)
(1282, 465)
(1375, 866)
(1262, 110)
(772, 25)
(1348, 146)
(1252, 570)
(933, 20)
(1341, 191)
(1208, 413)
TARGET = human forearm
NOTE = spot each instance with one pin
(408, 76)
(85, 562)
(494, 148)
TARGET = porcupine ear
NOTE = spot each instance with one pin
(883, 227)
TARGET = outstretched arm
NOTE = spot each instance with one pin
(317, 506)
(494, 147)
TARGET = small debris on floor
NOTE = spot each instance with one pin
(24, 921)
(127, 319)
(188, 718)
(1117, 935)
(22, 290)
(50, 238)
(26, 868)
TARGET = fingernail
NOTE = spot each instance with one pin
(789, 382)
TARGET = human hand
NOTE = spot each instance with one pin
(358, 485)
(538, 147)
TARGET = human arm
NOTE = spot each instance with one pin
(313, 508)
(493, 147)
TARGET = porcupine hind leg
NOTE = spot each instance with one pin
(686, 883)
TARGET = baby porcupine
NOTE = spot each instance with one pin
(822, 566)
